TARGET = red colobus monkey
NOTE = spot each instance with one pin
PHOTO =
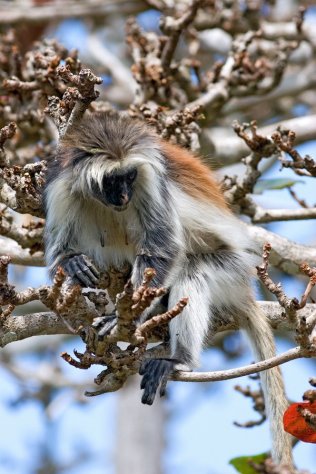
(116, 192)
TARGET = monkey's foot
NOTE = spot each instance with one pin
(104, 325)
(155, 372)
(81, 270)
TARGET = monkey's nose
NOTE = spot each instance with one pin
(124, 198)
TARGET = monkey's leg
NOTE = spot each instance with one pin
(187, 331)
(218, 287)
(81, 270)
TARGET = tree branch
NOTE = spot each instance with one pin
(19, 327)
(174, 27)
(229, 149)
(261, 216)
(241, 76)
(16, 14)
(286, 254)
(20, 256)
(219, 375)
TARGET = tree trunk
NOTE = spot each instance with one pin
(140, 442)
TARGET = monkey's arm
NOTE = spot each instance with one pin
(160, 242)
(161, 249)
(63, 234)
(62, 251)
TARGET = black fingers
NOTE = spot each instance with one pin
(90, 266)
(163, 386)
(104, 325)
(81, 270)
(155, 372)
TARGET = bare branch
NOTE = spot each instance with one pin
(174, 27)
(15, 14)
(122, 363)
(17, 328)
(229, 149)
(70, 109)
(28, 236)
(37, 324)
(120, 73)
(21, 256)
(291, 305)
(258, 405)
(261, 216)
(285, 139)
(240, 75)
(21, 187)
(293, 86)
(285, 254)
(6, 133)
(300, 201)
(220, 375)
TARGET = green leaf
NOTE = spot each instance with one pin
(242, 465)
(278, 183)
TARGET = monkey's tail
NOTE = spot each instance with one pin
(262, 342)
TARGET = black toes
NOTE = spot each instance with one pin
(155, 372)
(163, 387)
(104, 325)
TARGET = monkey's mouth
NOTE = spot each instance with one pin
(121, 208)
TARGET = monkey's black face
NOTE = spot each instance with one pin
(117, 189)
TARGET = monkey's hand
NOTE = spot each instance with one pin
(81, 270)
(156, 372)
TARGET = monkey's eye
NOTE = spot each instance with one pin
(108, 180)
(131, 176)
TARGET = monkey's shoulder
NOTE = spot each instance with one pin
(192, 175)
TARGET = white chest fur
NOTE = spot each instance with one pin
(107, 236)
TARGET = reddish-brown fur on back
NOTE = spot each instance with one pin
(193, 176)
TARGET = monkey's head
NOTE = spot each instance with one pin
(107, 156)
